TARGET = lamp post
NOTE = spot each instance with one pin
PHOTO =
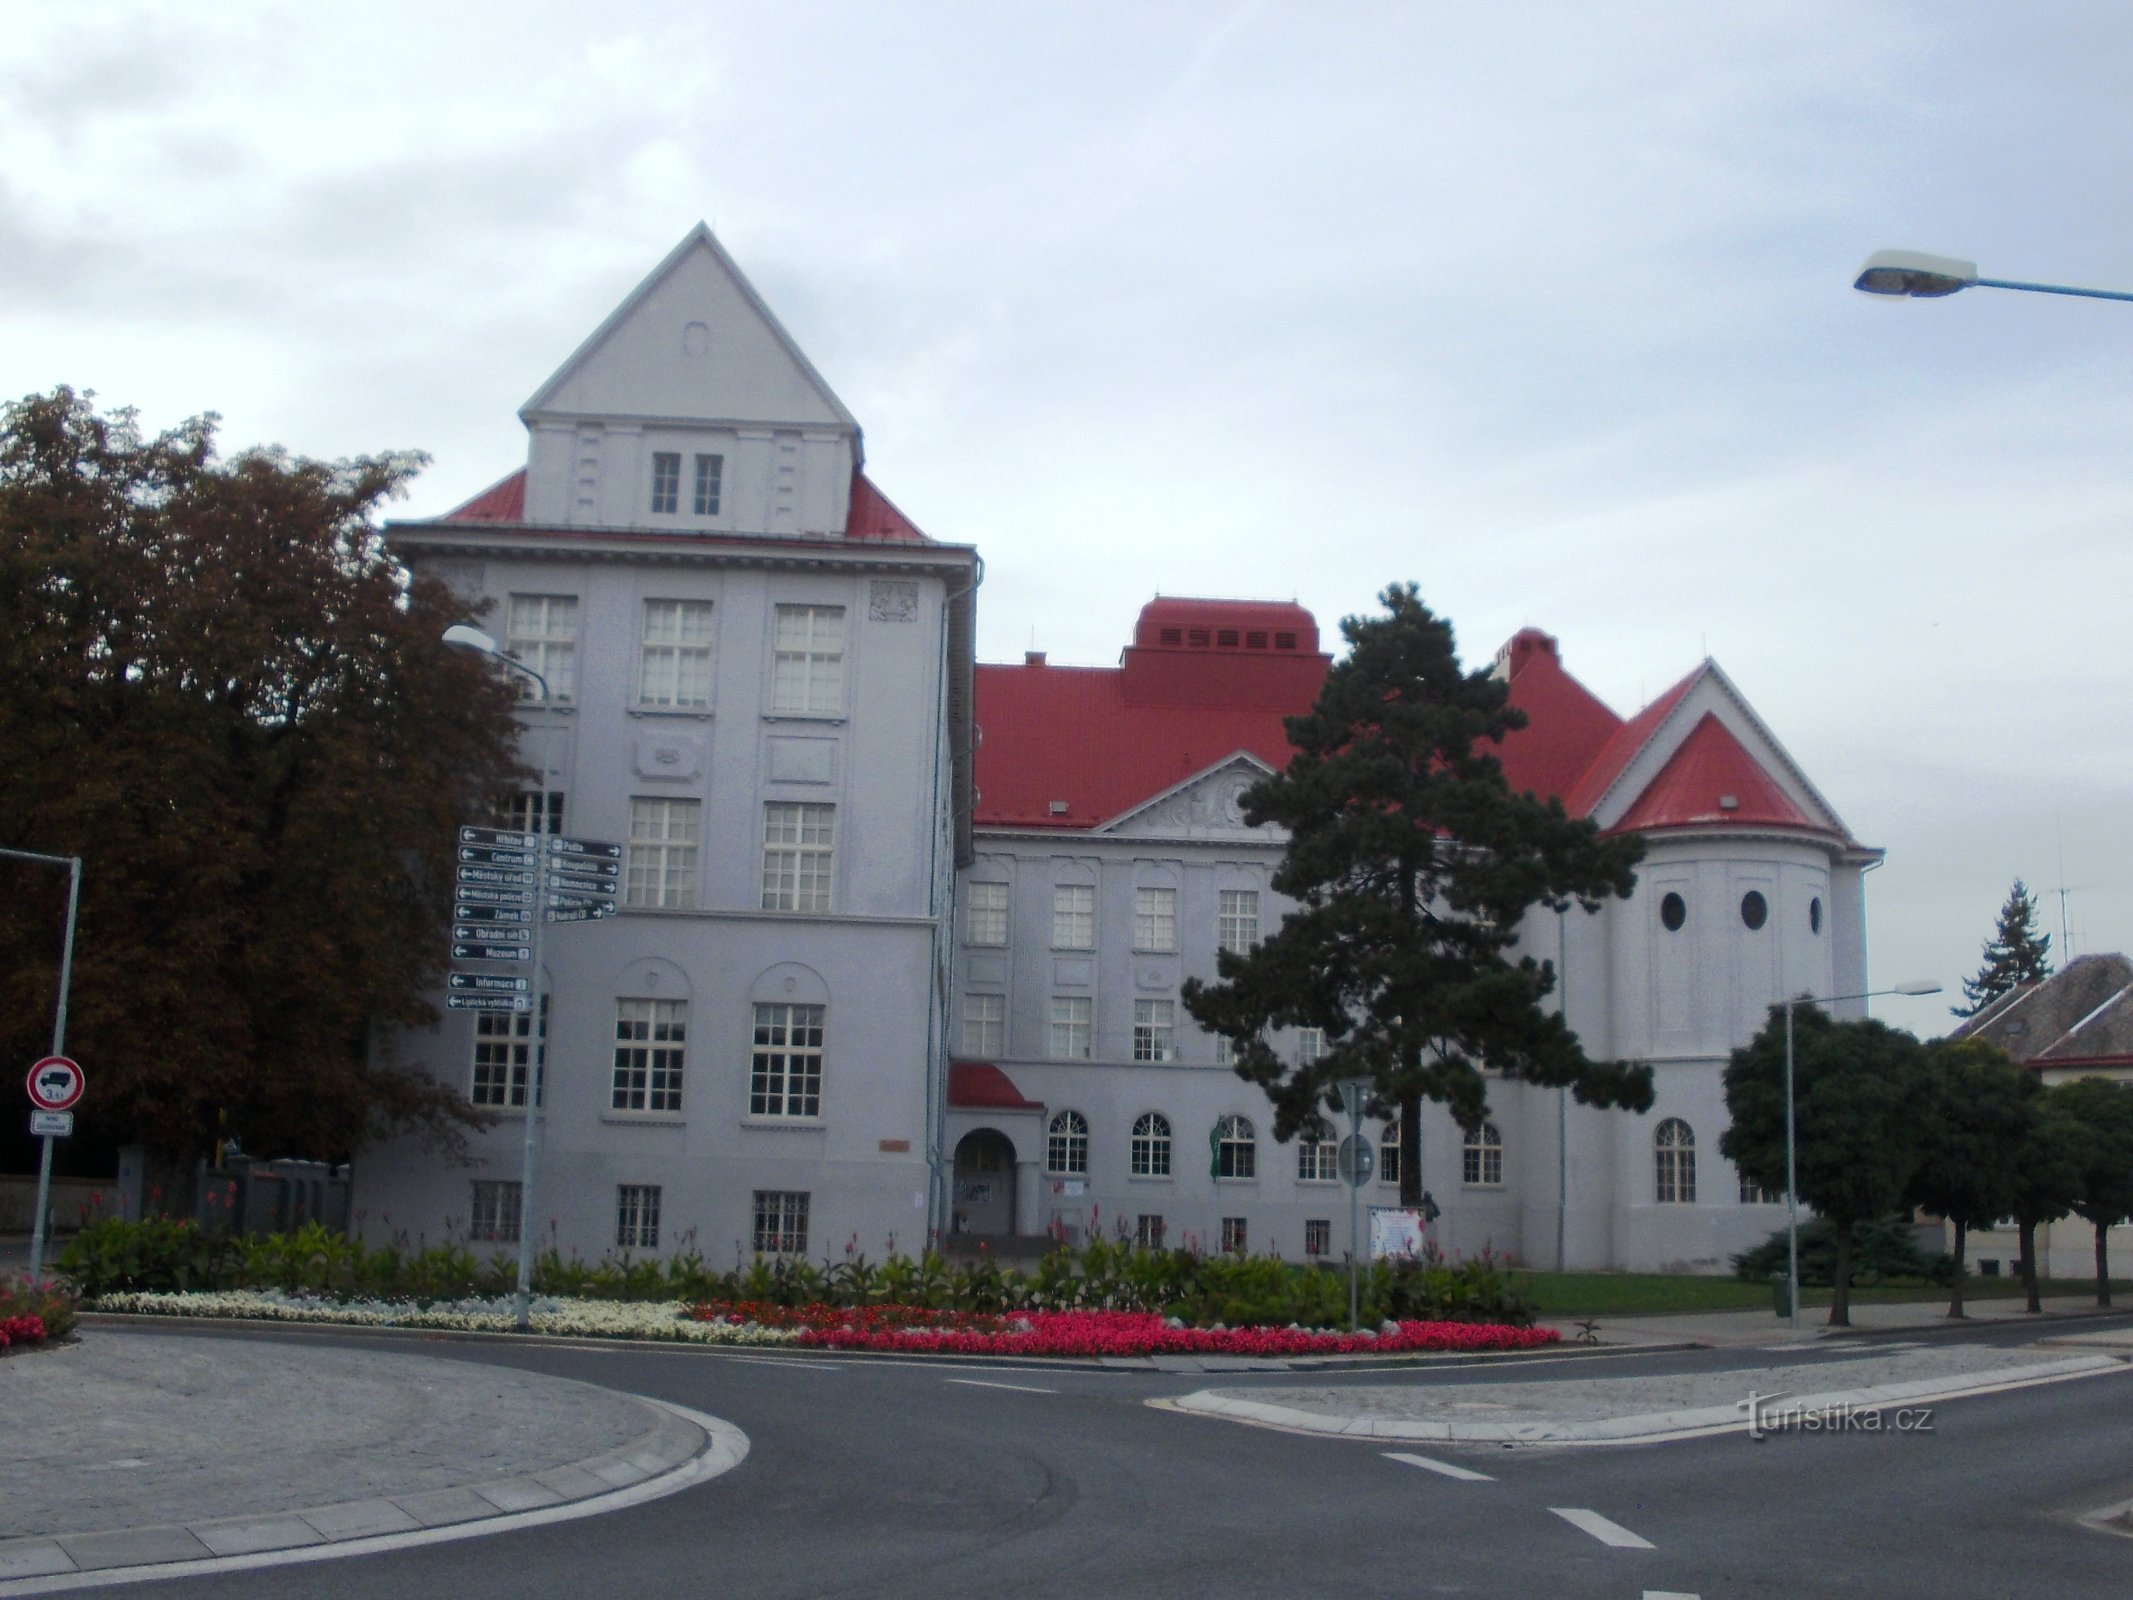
(1915, 275)
(462, 636)
(1792, 1165)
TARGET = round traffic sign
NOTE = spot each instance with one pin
(55, 1084)
(1355, 1160)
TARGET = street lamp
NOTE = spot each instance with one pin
(464, 637)
(1918, 276)
(1792, 1172)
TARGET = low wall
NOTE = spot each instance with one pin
(70, 1198)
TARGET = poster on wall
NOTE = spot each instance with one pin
(1395, 1232)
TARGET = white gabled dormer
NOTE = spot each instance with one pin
(691, 410)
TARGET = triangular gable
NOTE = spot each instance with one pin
(1711, 779)
(1637, 758)
(1206, 805)
(693, 341)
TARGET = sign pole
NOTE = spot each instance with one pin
(537, 1042)
(59, 1048)
(1352, 1093)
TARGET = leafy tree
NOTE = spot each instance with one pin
(2105, 1110)
(1412, 863)
(2050, 1164)
(217, 689)
(1859, 1090)
(1977, 1112)
(2015, 954)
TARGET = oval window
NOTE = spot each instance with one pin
(1814, 915)
(1673, 911)
(1754, 909)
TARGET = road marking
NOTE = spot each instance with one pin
(1669, 1594)
(980, 1383)
(1445, 1467)
(788, 1361)
(1608, 1533)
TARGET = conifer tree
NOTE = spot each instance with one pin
(2015, 954)
(1413, 863)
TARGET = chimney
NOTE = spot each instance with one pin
(1033, 658)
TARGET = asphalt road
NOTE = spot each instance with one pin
(892, 1479)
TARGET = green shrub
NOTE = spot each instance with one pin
(56, 1302)
(1881, 1250)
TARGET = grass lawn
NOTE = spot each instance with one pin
(1658, 1294)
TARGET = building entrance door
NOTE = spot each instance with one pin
(985, 1183)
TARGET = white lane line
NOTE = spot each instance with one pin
(1669, 1594)
(1444, 1467)
(788, 1361)
(1608, 1533)
(980, 1383)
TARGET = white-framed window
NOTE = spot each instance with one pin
(1074, 916)
(1317, 1152)
(1155, 919)
(541, 632)
(1224, 1048)
(637, 1216)
(1674, 1163)
(1073, 1021)
(710, 481)
(660, 860)
(1754, 1194)
(1389, 1153)
(495, 1217)
(1237, 925)
(1148, 1231)
(1155, 1030)
(798, 838)
(651, 1045)
(674, 668)
(985, 913)
(1234, 1236)
(1236, 1149)
(666, 482)
(1150, 1151)
(1310, 1045)
(1066, 1144)
(1318, 1236)
(984, 1024)
(529, 811)
(785, 1068)
(1481, 1158)
(781, 1222)
(807, 661)
(503, 1051)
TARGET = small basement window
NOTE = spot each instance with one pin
(1284, 641)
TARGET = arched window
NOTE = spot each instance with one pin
(1067, 1149)
(1317, 1152)
(1483, 1158)
(1674, 1163)
(1236, 1148)
(1151, 1146)
(1389, 1153)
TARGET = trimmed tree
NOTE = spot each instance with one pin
(226, 698)
(2105, 1109)
(1859, 1090)
(1412, 863)
(2050, 1165)
(1977, 1110)
(2015, 954)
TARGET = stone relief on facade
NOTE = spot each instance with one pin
(1209, 807)
(892, 600)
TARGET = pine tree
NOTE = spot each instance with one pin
(2015, 954)
(1413, 864)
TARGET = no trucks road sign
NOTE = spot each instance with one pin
(55, 1084)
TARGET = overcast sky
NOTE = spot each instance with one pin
(1544, 307)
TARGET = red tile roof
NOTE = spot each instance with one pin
(1566, 723)
(873, 517)
(1621, 748)
(981, 1086)
(1710, 780)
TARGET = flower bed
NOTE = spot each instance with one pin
(915, 1330)
(577, 1319)
(24, 1329)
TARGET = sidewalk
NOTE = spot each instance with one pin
(141, 1449)
(1728, 1328)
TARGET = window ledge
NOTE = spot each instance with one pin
(677, 713)
(1150, 1177)
(1236, 1180)
(823, 718)
(786, 1124)
(646, 1119)
(560, 707)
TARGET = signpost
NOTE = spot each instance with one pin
(55, 1086)
(1355, 1161)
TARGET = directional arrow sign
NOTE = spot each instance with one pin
(572, 902)
(487, 1002)
(474, 931)
(491, 952)
(591, 871)
(582, 914)
(599, 849)
(476, 894)
(487, 983)
(567, 883)
(482, 855)
(500, 836)
(469, 913)
(493, 875)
